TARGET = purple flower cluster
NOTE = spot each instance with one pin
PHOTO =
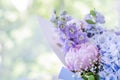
(73, 31)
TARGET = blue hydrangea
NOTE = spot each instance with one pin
(110, 54)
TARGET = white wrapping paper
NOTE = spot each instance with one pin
(49, 32)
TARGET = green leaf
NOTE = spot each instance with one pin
(91, 77)
(83, 76)
(97, 77)
(89, 73)
(92, 12)
(90, 21)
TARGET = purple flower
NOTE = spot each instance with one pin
(64, 17)
(62, 27)
(63, 13)
(62, 37)
(81, 38)
(68, 44)
(68, 18)
(100, 18)
(76, 22)
(71, 31)
(117, 33)
(85, 25)
(54, 18)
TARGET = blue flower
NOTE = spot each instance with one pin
(118, 74)
(115, 67)
(111, 77)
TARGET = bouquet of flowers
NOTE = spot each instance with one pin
(91, 51)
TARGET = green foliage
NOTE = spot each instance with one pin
(91, 77)
(90, 21)
(93, 13)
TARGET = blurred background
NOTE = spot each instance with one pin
(24, 51)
